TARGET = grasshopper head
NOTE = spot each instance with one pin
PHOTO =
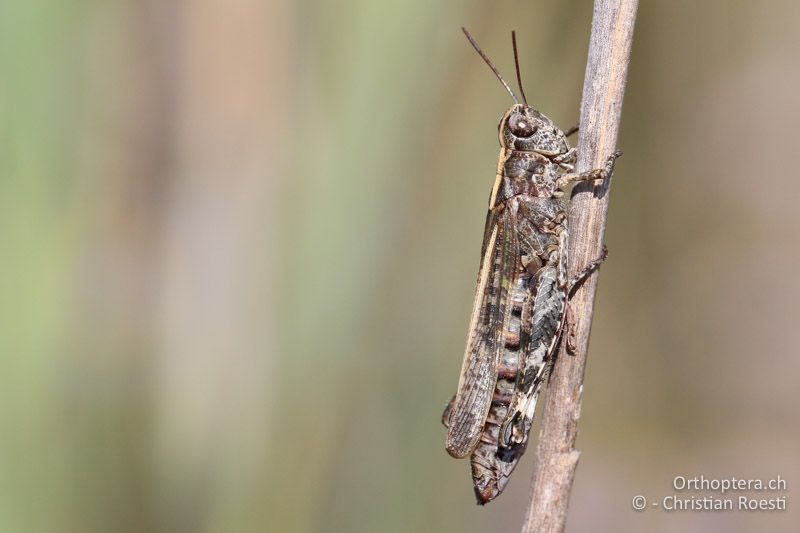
(524, 128)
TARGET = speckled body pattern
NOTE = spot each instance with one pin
(520, 305)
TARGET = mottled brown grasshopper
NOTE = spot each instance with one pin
(521, 304)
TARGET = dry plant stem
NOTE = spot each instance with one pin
(603, 89)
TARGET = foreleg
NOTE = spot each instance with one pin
(590, 175)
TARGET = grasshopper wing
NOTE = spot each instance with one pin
(486, 335)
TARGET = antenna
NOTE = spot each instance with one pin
(516, 64)
(491, 65)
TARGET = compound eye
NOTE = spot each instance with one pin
(521, 126)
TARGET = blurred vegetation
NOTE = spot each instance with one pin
(240, 241)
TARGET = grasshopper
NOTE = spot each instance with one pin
(520, 312)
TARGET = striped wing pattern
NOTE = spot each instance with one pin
(486, 340)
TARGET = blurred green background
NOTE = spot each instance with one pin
(240, 242)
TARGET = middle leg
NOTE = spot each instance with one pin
(578, 279)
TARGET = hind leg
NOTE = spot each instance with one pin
(446, 413)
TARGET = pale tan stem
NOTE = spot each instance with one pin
(603, 89)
